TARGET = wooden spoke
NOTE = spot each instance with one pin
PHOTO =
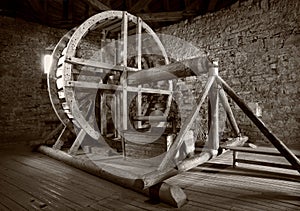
(94, 85)
(97, 64)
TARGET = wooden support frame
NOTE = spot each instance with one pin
(168, 159)
(282, 148)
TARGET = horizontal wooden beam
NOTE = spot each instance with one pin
(91, 63)
(97, 64)
(151, 118)
(165, 192)
(263, 163)
(94, 85)
(180, 69)
(195, 161)
(261, 151)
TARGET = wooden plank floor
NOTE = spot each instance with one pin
(32, 181)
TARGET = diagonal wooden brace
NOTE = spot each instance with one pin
(282, 148)
(169, 157)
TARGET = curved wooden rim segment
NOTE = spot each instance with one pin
(52, 78)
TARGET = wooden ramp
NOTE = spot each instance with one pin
(32, 181)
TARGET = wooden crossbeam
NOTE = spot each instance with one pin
(94, 85)
(282, 148)
(91, 63)
(180, 69)
(151, 118)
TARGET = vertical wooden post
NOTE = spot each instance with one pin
(213, 134)
(234, 157)
(139, 66)
(114, 113)
(124, 34)
(118, 112)
(103, 112)
(118, 123)
(225, 103)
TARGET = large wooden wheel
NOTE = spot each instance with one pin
(96, 59)
(112, 58)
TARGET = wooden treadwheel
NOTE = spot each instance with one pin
(94, 60)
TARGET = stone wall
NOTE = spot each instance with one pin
(25, 110)
(257, 45)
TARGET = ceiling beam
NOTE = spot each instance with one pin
(162, 16)
(166, 16)
(139, 6)
(98, 5)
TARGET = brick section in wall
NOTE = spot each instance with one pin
(26, 113)
(257, 44)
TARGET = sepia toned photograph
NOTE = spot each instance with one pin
(150, 105)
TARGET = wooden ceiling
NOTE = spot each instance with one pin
(69, 13)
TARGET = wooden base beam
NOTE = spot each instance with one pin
(165, 192)
(195, 161)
